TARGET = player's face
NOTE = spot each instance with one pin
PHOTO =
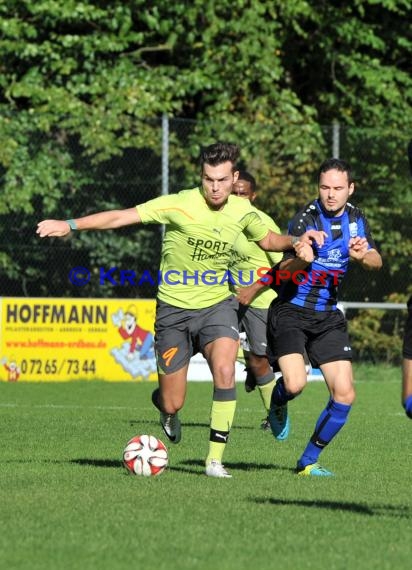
(217, 183)
(243, 189)
(334, 191)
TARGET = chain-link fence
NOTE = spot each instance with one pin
(124, 263)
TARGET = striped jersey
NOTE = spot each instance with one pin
(316, 287)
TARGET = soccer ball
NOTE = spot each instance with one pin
(145, 455)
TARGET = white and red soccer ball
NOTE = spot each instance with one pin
(145, 455)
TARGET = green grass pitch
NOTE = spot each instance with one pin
(66, 502)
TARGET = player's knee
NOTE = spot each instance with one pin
(347, 396)
(294, 386)
(259, 365)
(224, 375)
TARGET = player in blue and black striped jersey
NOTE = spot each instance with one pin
(315, 286)
(305, 314)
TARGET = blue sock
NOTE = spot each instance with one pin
(279, 395)
(408, 406)
(330, 422)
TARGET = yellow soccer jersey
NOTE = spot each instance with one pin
(197, 245)
(248, 258)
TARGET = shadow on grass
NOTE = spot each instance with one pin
(110, 463)
(184, 424)
(193, 466)
(143, 422)
(185, 466)
(205, 425)
(397, 511)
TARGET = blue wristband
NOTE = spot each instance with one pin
(72, 224)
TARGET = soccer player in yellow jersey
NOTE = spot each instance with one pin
(196, 310)
(247, 260)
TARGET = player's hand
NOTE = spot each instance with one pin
(53, 228)
(304, 251)
(358, 246)
(312, 236)
(245, 295)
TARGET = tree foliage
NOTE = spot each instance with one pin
(83, 86)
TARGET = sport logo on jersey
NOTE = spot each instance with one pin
(208, 248)
(334, 255)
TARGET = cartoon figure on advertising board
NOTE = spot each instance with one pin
(136, 355)
(13, 370)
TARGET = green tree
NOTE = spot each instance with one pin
(83, 86)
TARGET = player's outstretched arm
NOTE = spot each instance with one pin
(370, 259)
(277, 242)
(109, 220)
(304, 256)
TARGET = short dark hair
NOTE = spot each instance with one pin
(245, 175)
(335, 164)
(219, 152)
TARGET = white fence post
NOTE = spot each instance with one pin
(335, 139)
